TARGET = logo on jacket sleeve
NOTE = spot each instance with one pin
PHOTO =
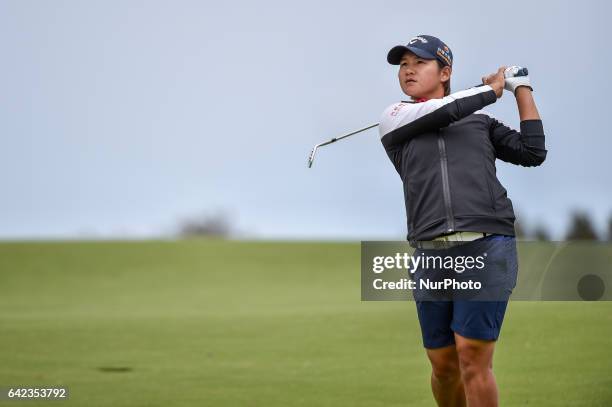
(397, 108)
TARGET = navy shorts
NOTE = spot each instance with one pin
(439, 319)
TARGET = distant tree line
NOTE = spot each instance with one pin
(580, 228)
(206, 225)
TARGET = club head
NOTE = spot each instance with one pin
(312, 156)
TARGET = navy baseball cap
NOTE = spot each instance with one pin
(425, 46)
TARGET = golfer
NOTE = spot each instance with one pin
(444, 147)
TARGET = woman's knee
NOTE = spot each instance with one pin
(446, 372)
(445, 365)
(474, 358)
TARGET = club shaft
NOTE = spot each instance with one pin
(347, 135)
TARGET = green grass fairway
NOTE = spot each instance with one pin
(214, 323)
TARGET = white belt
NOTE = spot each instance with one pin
(461, 236)
(453, 239)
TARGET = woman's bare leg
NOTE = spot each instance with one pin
(476, 364)
(446, 381)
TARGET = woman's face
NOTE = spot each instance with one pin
(421, 77)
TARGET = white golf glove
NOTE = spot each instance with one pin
(512, 81)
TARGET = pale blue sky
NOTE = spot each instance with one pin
(121, 117)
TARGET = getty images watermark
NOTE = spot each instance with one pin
(410, 263)
(487, 271)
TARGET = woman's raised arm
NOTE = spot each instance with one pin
(526, 105)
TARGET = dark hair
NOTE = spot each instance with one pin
(447, 88)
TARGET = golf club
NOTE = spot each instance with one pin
(314, 150)
(515, 71)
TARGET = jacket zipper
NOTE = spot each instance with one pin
(450, 221)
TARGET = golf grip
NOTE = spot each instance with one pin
(519, 72)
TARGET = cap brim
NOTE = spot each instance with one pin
(396, 53)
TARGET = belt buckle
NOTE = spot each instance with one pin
(432, 244)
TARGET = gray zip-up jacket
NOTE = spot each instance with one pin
(444, 150)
